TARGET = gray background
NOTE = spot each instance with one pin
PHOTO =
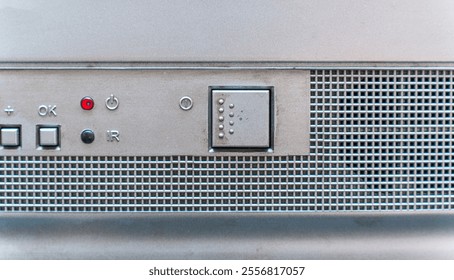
(226, 30)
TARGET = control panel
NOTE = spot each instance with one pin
(178, 112)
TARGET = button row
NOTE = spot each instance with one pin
(47, 136)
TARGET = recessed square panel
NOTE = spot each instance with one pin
(10, 137)
(241, 118)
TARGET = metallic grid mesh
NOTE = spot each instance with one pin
(380, 140)
(383, 138)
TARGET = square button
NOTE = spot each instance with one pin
(10, 137)
(48, 137)
(241, 118)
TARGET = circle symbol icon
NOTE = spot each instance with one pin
(186, 103)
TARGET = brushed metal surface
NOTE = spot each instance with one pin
(323, 34)
(149, 118)
(226, 30)
(226, 236)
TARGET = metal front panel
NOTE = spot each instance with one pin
(380, 139)
(359, 163)
(149, 118)
(226, 30)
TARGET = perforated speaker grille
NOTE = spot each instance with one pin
(380, 140)
(385, 135)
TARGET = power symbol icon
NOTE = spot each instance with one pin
(112, 102)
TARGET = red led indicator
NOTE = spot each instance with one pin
(87, 103)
